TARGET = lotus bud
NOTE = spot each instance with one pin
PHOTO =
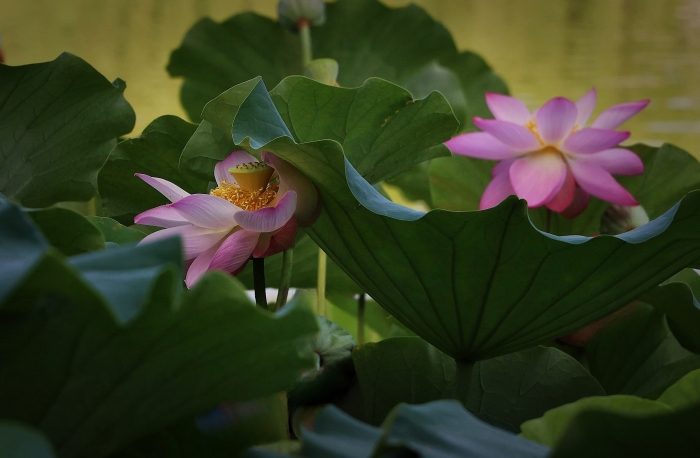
(618, 219)
(323, 70)
(293, 11)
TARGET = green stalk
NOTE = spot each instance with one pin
(285, 279)
(361, 319)
(259, 282)
(321, 284)
(462, 382)
(304, 28)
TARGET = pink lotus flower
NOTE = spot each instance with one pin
(254, 211)
(549, 157)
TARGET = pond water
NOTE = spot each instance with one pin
(627, 49)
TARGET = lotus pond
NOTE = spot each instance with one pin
(347, 239)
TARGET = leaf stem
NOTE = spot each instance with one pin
(304, 28)
(361, 319)
(321, 283)
(259, 282)
(461, 386)
(285, 279)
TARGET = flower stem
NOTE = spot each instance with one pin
(285, 279)
(361, 319)
(304, 28)
(321, 284)
(259, 282)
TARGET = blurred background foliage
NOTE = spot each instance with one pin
(628, 49)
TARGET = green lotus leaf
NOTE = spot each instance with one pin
(549, 429)
(18, 440)
(66, 230)
(113, 232)
(102, 350)
(676, 298)
(367, 39)
(474, 284)
(637, 353)
(617, 434)
(510, 388)
(670, 173)
(156, 153)
(58, 122)
(684, 393)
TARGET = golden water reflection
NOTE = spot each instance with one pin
(627, 49)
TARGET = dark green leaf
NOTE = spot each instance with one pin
(21, 441)
(115, 232)
(549, 429)
(682, 310)
(94, 386)
(68, 231)
(156, 153)
(475, 284)
(21, 248)
(614, 435)
(684, 393)
(58, 122)
(366, 38)
(637, 354)
(511, 388)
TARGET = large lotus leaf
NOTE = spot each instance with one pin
(21, 441)
(637, 354)
(549, 429)
(367, 39)
(58, 122)
(675, 298)
(473, 284)
(510, 388)
(156, 153)
(457, 183)
(93, 385)
(614, 435)
(684, 393)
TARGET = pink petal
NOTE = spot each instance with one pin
(618, 161)
(200, 265)
(291, 179)
(597, 181)
(507, 108)
(538, 177)
(498, 189)
(163, 216)
(195, 239)
(584, 108)
(556, 119)
(269, 219)
(502, 167)
(587, 141)
(207, 211)
(221, 172)
(235, 251)
(480, 145)
(578, 205)
(513, 135)
(271, 243)
(616, 115)
(565, 196)
(170, 190)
